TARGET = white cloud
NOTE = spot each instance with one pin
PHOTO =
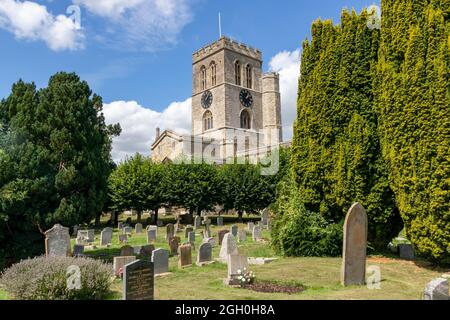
(143, 25)
(287, 64)
(139, 124)
(31, 21)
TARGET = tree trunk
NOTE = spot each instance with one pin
(112, 219)
(97, 219)
(240, 214)
(156, 216)
(139, 214)
(116, 218)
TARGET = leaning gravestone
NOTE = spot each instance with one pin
(235, 263)
(222, 234)
(228, 247)
(219, 221)
(204, 254)
(106, 236)
(126, 251)
(174, 242)
(151, 235)
(138, 228)
(353, 270)
(185, 252)
(242, 236)
(57, 241)
(197, 222)
(437, 290)
(146, 251)
(138, 281)
(170, 231)
(120, 262)
(234, 230)
(256, 233)
(160, 259)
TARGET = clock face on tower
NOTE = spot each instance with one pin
(207, 99)
(246, 98)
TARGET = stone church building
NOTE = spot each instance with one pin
(236, 108)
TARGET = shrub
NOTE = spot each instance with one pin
(46, 278)
(299, 232)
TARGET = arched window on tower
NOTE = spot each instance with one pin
(237, 72)
(246, 122)
(249, 76)
(213, 73)
(207, 121)
(203, 77)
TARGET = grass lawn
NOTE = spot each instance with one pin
(399, 279)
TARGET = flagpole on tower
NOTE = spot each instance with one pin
(220, 26)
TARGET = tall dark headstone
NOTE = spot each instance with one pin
(138, 281)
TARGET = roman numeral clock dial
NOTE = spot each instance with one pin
(207, 99)
(246, 98)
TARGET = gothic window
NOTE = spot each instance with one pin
(237, 72)
(245, 120)
(207, 121)
(203, 77)
(213, 73)
(249, 76)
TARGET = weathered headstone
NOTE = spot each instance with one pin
(82, 237)
(235, 263)
(127, 230)
(242, 235)
(120, 262)
(138, 228)
(191, 238)
(155, 228)
(160, 259)
(146, 251)
(185, 252)
(221, 234)
(406, 251)
(151, 235)
(437, 289)
(170, 231)
(204, 254)
(91, 235)
(211, 241)
(138, 281)
(57, 241)
(120, 226)
(78, 250)
(219, 221)
(75, 230)
(353, 269)
(186, 231)
(106, 236)
(234, 230)
(174, 243)
(265, 217)
(197, 222)
(229, 247)
(123, 238)
(126, 251)
(250, 226)
(256, 233)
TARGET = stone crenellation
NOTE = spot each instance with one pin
(226, 43)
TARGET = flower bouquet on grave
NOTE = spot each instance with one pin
(246, 277)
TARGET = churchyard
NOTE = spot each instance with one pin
(312, 278)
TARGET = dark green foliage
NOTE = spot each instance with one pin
(55, 165)
(336, 154)
(46, 278)
(414, 118)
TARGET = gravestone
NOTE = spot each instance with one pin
(75, 230)
(353, 269)
(235, 263)
(197, 222)
(437, 289)
(204, 254)
(191, 238)
(228, 247)
(406, 251)
(160, 259)
(82, 237)
(159, 223)
(170, 231)
(123, 238)
(146, 251)
(242, 235)
(234, 230)
(78, 250)
(57, 241)
(219, 221)
(250, 226)
(186, 232)
(126, 251)
(265, 217)
(221, 234)
(138, 281)
(151, 235)
(155, 228)
(120, 225)
(185, 252)
(174, 243)
(256, 233)
(106, 236)
(91, 235)
(138, 228)
(120, 262)
(127, 230)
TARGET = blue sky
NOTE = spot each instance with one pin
(137, 53)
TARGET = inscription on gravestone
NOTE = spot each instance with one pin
(138, 281)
